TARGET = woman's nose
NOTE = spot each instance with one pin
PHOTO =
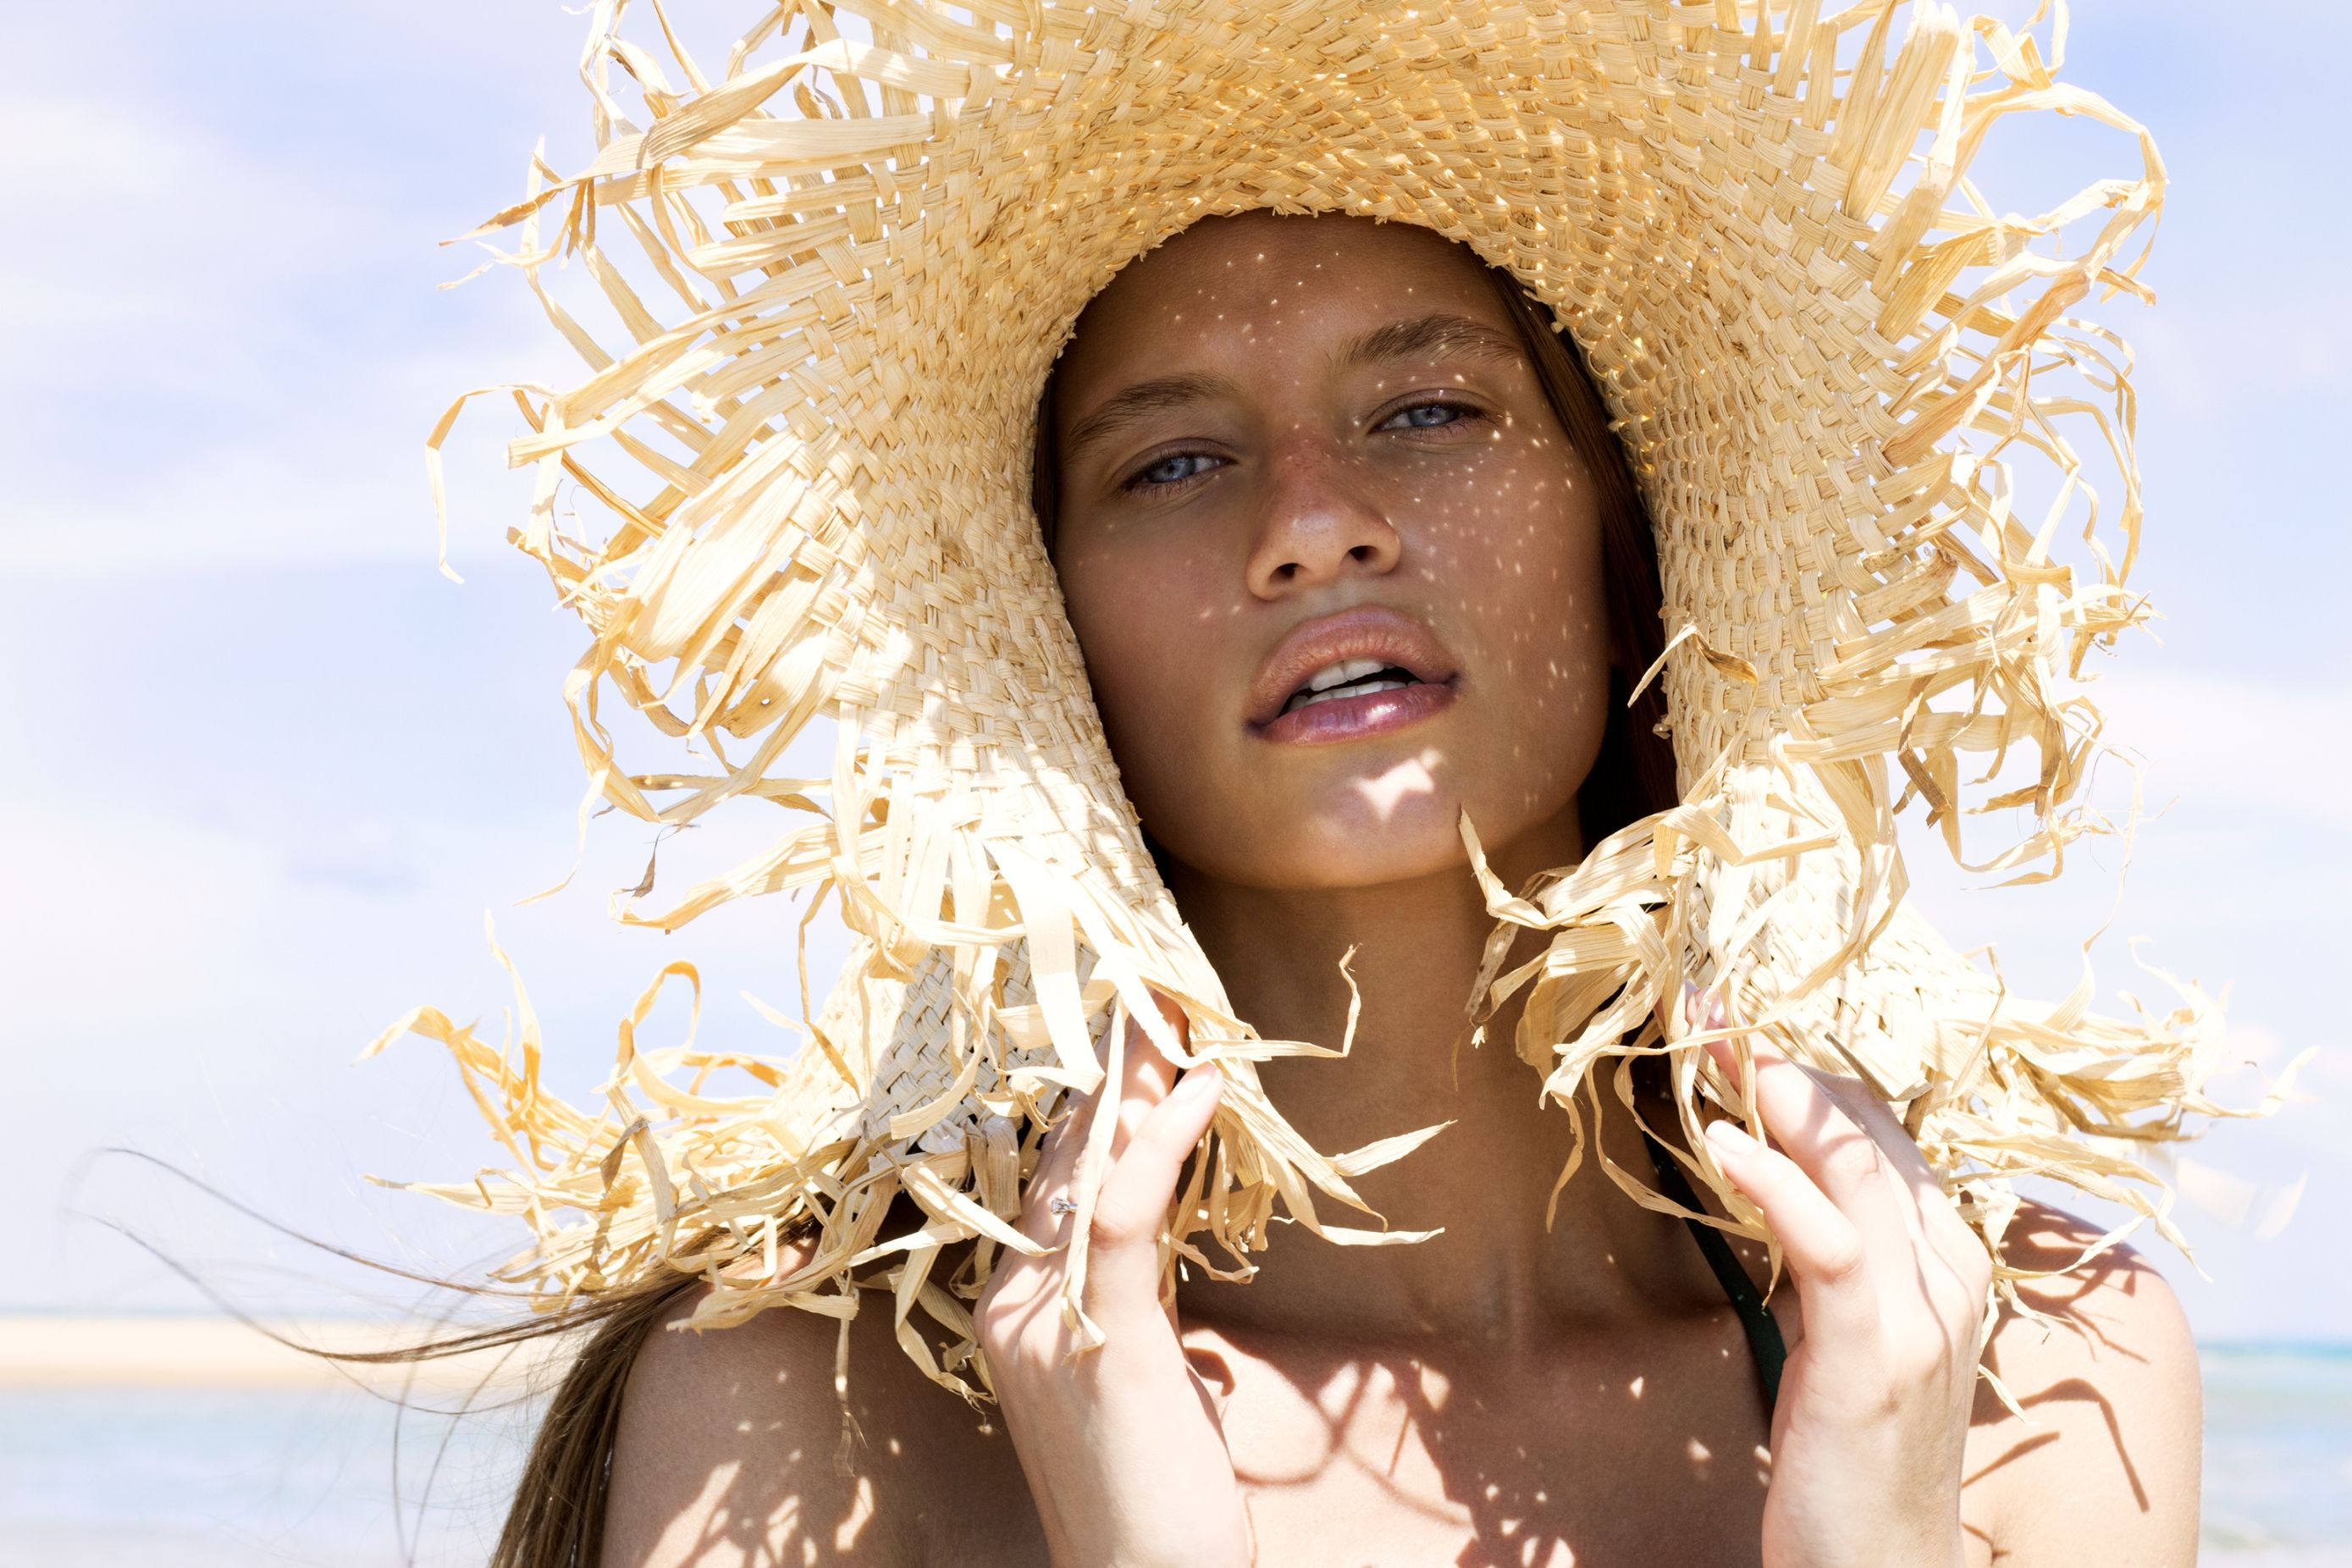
(1320, 523)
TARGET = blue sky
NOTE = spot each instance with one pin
(266, 770)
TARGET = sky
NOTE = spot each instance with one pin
(267, 771)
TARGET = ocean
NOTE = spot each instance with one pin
(2278, 1456)
(330, 1477)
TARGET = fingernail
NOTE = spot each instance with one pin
(1203, 1079)
(1730, 1137)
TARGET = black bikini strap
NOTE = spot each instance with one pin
(1764, 1341)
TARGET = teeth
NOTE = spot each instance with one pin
(1308, 699)
(1349, 678)
(1338, 674)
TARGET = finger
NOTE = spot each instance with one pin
(1927, 1216)
(1824, 1248)
(1145, 1075)
(1937, 1222)
(1058, 1161)
(1873, 1116)
(1133, 1206)
(1845, 1163)
(1699, 1010)
(1858, 1157)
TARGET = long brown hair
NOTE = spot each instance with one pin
(1633, 775)
(557, 1519)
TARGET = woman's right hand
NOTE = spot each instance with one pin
(1121, 1447)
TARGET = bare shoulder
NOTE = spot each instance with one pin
(732, 1448)
(725, 1449)
(2103, 1468)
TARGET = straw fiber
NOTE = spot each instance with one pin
(844, 262)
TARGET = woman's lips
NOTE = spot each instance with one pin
(1358, 717)
(1376, 636)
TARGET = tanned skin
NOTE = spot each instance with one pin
(1332, 418)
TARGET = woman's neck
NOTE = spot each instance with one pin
(1497, 1273)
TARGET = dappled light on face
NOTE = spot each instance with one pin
(1416, 776)
(1343, 417)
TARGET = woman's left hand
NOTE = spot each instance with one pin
(1872, 1416)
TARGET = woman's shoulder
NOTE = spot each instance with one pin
(734, 1445)
(2103, 1467)
(726, 1448)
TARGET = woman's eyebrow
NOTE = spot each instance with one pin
(1437, 333)
(1132, 403)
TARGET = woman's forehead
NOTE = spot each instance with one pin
(1261, 273)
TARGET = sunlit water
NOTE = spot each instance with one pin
(212, 1478)
(203, 1479)
(2278, 1457)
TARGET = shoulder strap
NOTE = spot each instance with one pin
(1764, 1341)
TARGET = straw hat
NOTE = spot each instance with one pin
(856, 253)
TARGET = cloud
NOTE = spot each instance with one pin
(151, 219)
(141, 922)
(2193, 360)
(226, 350)
(2278, 747)
(372, 857)
(350, 486)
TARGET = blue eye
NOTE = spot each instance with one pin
(1173, 469)
(1427, 417)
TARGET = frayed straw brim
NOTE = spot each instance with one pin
(1825, 351)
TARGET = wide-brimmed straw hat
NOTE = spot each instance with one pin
(840, 269)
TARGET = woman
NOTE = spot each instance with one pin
(1310, 659)
(1286, 448)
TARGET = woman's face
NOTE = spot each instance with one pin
(1334, 566)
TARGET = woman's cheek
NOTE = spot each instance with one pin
(1542, 654)
(1571, 685)
(1146, 633)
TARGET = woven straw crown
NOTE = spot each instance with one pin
(1825, 354)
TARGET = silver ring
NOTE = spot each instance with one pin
(1058, 1204)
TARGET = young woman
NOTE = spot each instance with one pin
(1294, 457)
(1324, 651)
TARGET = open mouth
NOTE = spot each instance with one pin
(1362, 672)
(1349, 678)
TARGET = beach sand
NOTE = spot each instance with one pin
(162, 1350)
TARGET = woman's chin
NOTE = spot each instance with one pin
(1348, 845)
(1378, 821)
